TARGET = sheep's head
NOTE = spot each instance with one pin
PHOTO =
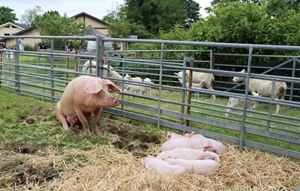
(238, 78)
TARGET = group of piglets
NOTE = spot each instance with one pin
(189, 153)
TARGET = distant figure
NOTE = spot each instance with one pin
(21, 44)
(70, 46)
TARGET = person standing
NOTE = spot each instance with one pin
(21, 44)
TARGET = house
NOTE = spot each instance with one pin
(10, 28)
(96, 23)
(97, 28)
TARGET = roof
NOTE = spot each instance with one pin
(24, 26)
(95, 32)
(91, 16)
(18, 25)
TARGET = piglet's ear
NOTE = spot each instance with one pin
(93, 87)
(112, 86)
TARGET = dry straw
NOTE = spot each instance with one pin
(106, 168)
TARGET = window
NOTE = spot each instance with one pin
(8, 26)
(6, 34)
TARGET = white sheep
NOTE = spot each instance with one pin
(137, 89)
(196, 86)
(233, 102)
(112, 73)
(140, 89)
(264, 87)
(197, 77)
(149, 90)
(129, 78)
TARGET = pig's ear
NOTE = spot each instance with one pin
(93, 87)
(206, 144)
(112, 86)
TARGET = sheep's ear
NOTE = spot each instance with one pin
(176, 73)
(244, 71)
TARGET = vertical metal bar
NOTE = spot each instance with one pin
(52, 68)
(77, 61)
(17, 68)
(188, 109)
(242, 132)
(99, 54)
(160, 83)
(270, 109)
(1, 58)
(123, 71)
(211, 64)
(293, 75)
(183, 86)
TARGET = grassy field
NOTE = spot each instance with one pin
(201, 108)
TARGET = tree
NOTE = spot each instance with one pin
(247, 23)
(51, 23)
(155, 14)
(119, 26)
(7, 15)
(30, 15)
(258, 2)
(278, 7)
(192, 9)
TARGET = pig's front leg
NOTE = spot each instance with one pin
(83, 121)
(97, 117)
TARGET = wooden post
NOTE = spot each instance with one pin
(188, 110)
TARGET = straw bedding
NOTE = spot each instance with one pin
(108, 168)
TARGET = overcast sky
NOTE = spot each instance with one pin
(97, 8)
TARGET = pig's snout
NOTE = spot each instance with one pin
(116, 102)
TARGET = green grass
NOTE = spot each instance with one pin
(200, 109)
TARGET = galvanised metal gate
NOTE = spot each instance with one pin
(169, 105)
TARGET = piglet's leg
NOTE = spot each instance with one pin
(83, 121)
(97, 115)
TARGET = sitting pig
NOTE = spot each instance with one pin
(84, 96)
(195, 166)
(162, 166)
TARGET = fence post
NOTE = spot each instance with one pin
(52, 69)
(270, 109)
(1, 68)
(242, 132)
(17, 68)
(76, 62)
(188, 109)
(293, 75)
(183, 86)
(160, 83)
